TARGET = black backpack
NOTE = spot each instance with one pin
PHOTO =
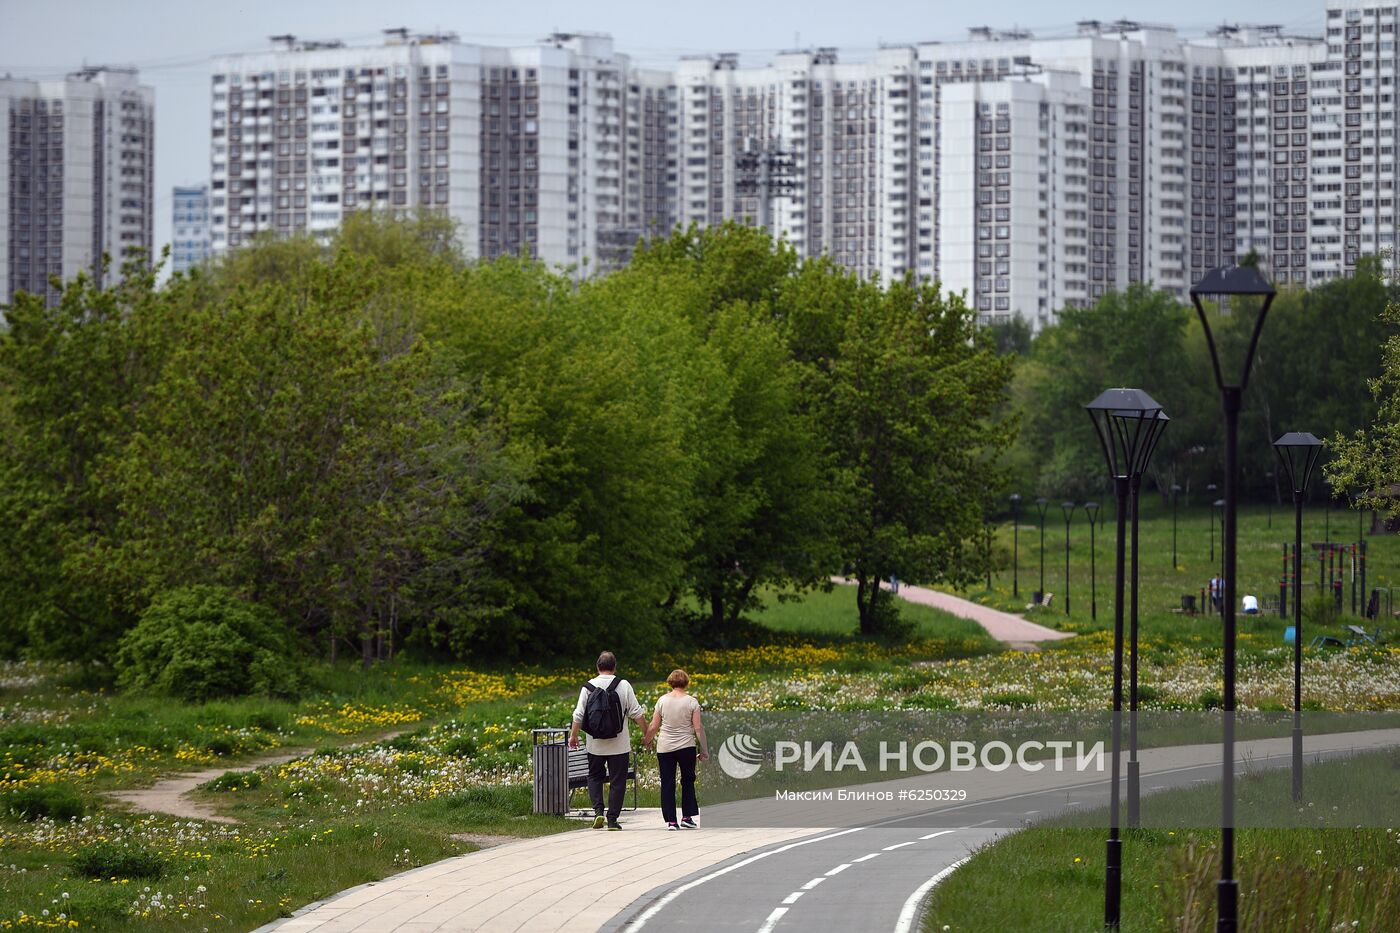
(602, 714)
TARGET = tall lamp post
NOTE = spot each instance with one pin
(1155, 427)
(1210, 490)
(1273, 490)
(1176, 492)
(1042, 504)
(1068, 509)
(1123, 420)
(1015, 543)
(1218, 516)
(1225, 283)
(1092, 508)
(1298, 452)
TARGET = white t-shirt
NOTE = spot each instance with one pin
(677, 722)
(1251, 604)
(631, 709)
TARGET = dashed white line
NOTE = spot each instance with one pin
(899, 845)
(838, 869)
(813, 883)
(865, 858)
(663, 901)
(792, 898)
(941, 832)
(772, 920)
(908, 915)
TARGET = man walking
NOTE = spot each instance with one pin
(604, 705)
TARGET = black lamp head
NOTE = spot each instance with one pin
(1093, 509)
(1222, 284)
(1128, 424)
(1068, 508)
(1298, 451)
(1015, 497)
(1219, 503)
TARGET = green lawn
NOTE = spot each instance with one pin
(1260, 563)
(1051, 879)
(825, 615)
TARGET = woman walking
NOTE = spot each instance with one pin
(680, 739)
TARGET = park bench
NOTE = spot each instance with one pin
(552, 755)
(1356, 635)
(578, 773)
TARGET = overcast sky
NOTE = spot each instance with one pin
(171, 41)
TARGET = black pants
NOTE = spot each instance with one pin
(613, 770)
(685, 758)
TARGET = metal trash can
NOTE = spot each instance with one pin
(550, 757)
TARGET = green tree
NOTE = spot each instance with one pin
(760, 494)
(910, 411)
(1369, 459)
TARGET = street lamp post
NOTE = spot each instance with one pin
(1218, 516)
(1123, 420)
(1042, 503)
(1068, 509)
(1224, 283)
(1298, 452)
(1156, 426)
(1015, 543)
(1092, 508)
(1269, 475)
(1176, 491)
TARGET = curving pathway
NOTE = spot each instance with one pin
(1003, 626)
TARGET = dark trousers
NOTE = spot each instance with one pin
(685, 758)
(613, 770)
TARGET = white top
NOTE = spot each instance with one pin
(677, 722)
(631, 709)
(1251, 604)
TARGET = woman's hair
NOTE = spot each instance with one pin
(678, 678)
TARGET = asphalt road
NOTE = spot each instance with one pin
(874, 877)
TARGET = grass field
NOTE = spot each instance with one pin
(1051, 879)
(1161, 585)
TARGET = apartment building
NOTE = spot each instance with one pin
(189, 216)
(557, 150)
(76, 176)
(1028, 172)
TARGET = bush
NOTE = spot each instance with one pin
(203, 642)
(460, 747)
(235, 780)
(54, 801)
(118, 860)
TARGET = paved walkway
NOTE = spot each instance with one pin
(573, 881)
(1003, 626)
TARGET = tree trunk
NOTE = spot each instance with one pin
(716, 607)
(742, 598)
(335, 648)
(366, 646)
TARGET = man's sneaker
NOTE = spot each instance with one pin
(599, 822)
(689, 823)
(614, 826)
(672, 827)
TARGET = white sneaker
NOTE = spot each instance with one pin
(689, 823)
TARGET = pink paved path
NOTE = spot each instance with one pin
(1003, 626)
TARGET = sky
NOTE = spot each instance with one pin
(171, 42)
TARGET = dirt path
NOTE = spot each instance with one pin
(171, 794)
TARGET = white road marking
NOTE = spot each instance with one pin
(792, 898)
(813, 883)
(772, 920)
(899, 845)
(838, 869)
(909, 914)
(668, 897)
(866, 858)
(941, 832)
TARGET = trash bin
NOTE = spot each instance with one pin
(550, 757)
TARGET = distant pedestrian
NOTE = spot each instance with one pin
(680, 740)
(604, 705)
(1217, 592)
(1250, 604)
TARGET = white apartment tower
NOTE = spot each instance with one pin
(1028, 172)
(77, 176)
(557, 151)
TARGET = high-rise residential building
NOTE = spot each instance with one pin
(1028, 172)
(76, 176)
(557, 150)
(189, 225)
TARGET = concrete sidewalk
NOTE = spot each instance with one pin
(570, 881)
(1003, 626)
